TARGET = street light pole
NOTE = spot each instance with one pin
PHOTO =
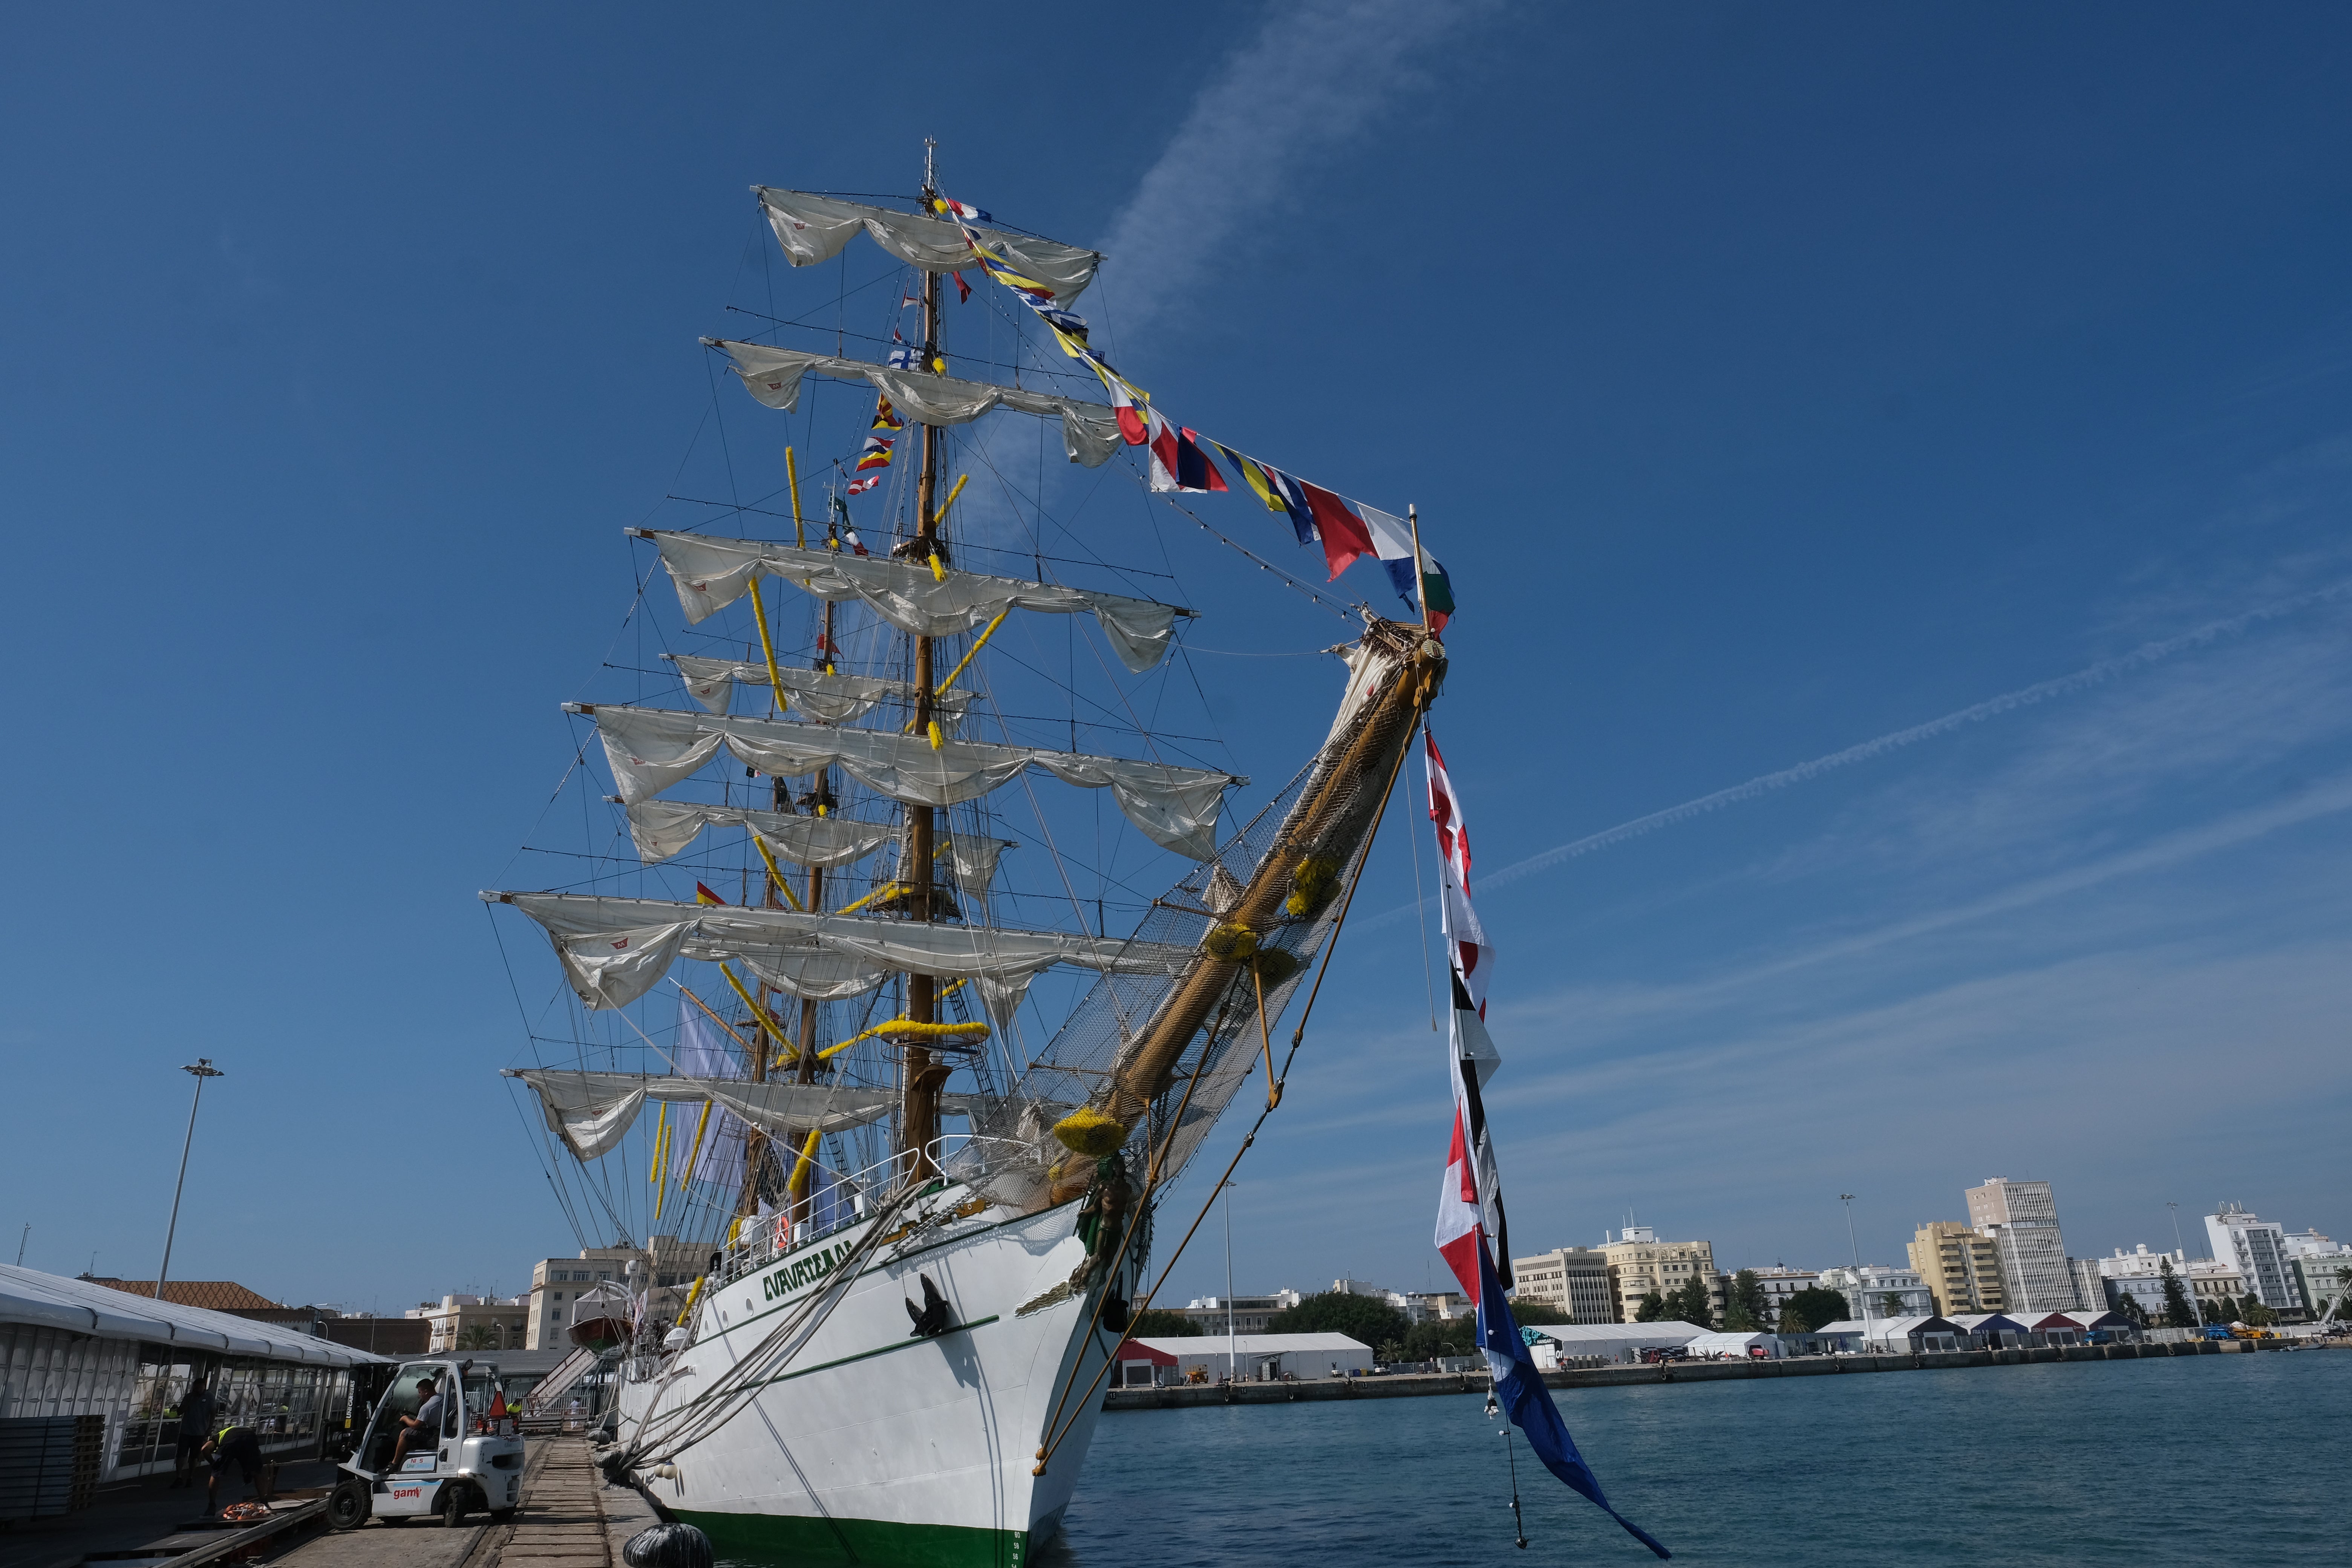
(1233, 1368)
(2187, 1281)
(1860, 1288)
(203, 1069)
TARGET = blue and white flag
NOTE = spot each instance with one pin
(1520, 1389)
(906, 356)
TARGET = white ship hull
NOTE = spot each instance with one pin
(875, 1446)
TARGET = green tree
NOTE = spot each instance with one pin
(1891, 1306)
(1697, 1305)
(1653, 1308)
(1746, 1312)
(2256, 1315)
(2178, 1312)
(1530, 1312)
(2127, 1307)
(1365, 1317)
(2212, 1310)
(480, 1337)
(1812, 1308)
(1439, 1337)
(1162, 1324)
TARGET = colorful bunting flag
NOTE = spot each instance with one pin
(964, 289)
(906, 356)
(859, 486)
(703, 895)
(1131, 423)
(1179, 464)
(887, 418)
(1345, 540)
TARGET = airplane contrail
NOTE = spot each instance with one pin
(2092, 675)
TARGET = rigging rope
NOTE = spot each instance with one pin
(1331, 950)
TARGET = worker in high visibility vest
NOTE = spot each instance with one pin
(242, 1446)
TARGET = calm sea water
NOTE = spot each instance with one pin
(2237, 1459)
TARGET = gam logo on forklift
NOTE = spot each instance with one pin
(786, 1281)
(408, 1494)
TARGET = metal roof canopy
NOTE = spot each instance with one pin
(79, 1305)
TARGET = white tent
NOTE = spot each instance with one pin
(1264, 1355)
(1740, 1345)
(1614, 1342)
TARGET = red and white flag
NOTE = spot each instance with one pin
(1130, 418)
(1470, 1204)
(1466, 947)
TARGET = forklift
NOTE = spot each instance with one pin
(473, 1464)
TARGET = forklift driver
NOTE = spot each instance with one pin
(423, 1429)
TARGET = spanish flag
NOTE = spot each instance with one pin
(703, 895)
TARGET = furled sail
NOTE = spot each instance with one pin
(710, 574)
(828, 699)
(813, 229)
(651, 748)
(1090, 431)
(616, 949)
(661, 828)
(592, 1112)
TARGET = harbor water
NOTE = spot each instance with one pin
(2235, 1459)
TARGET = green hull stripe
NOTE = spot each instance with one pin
(800, 1538)
(906, 1344)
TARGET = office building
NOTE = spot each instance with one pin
(1639, 1263)
(1960, 1267)
(2257, 1247)
(1569, 1279)
(2021, 1219)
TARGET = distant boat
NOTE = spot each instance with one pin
(600, 1318)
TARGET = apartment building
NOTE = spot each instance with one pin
(1570, 1280)
(2257, 1247)
(557, 1283)
(1960, 1267)
(1780, 1283)
(1874, 1292)
(1639, 1263)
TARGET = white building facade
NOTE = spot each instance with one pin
(2320, 1267)
(1873, 1283)
(1780, 1284)
(2257, 1247)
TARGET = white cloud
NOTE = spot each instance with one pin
(1315, 76)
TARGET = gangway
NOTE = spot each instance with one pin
(559, 1383)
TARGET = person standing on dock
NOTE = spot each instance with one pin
(240, 1445)
(196, 1411)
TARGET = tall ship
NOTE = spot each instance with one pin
(863, 1004)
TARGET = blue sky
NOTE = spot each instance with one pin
(1771, 381)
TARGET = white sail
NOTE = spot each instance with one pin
(1090, 432)
(813, 229)
(651, 748)
(616, 949)
(828, 699)
(661, 828)
(592, 1112)
(710, 574)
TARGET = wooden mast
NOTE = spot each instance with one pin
(806, 1067)
(919, 1119)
